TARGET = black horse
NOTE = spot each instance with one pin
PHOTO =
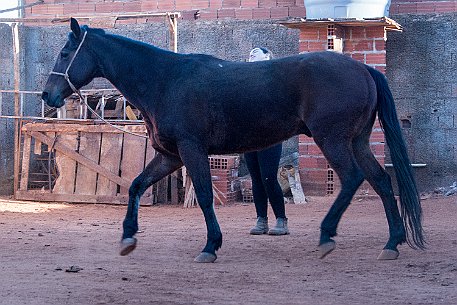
(194, 105)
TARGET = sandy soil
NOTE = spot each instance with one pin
(41, 241)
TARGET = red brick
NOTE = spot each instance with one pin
(260, 13)
(309, 34)
(359, 57)
(164, 5)
(70, 9)
(314, 150)
(357, 33)
(287, 3)
(307, 162)
(215, 3)
(200, 4)
(184, 5)
(279, 12)
(426, 7)
(305, 139)
(380, 45)
(375, 32)
(40, 9)
(231, 4)
(406, 8)
(86, 8)
(358, 45)
(108, 7)
(226, 13)
(297, 11)
(208, 14)
(267, 3)
(445, 7)
(148, 6)
(132, 6)
(249, 3)
(55, 9)
(314, 46)
(243, 13)
(376, 58)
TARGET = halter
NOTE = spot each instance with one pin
(65, 75)
(78, 92)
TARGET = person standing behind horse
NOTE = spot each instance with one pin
(263, 168)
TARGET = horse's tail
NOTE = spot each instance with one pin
(411, 211)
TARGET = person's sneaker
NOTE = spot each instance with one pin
(280, 228)
(261, 226)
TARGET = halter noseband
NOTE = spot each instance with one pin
(65, 75)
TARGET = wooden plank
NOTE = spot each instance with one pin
(295, 186)
(63, 128)
(59, 146)
(150, 154)
(174, 188)
(37, 147)
(51, 135)
(75, 198)
(110, 158)
(24, 182)
(86, 177)
(65, 183)
(133, 155)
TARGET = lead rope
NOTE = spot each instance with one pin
(83, 100)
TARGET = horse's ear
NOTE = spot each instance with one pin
(74, 25)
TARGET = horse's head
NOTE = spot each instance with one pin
(74, 68)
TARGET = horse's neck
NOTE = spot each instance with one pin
(131, 66)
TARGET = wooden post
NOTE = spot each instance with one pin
(173, 22)
(17, 107)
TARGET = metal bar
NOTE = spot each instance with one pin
(102, 107)
(125, 105)
(85, 107)
(22, 103)
(1, 103)
(417, 165)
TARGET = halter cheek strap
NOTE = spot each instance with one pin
(65, 75)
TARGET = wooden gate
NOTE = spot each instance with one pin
(87, 163)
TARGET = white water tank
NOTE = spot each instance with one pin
(338, 9)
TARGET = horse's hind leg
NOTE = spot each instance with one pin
(159, 167)
(338, 153)
(195, 159)
(381, 183)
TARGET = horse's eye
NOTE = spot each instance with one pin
(64, 54)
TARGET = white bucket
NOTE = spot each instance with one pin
(339, 9)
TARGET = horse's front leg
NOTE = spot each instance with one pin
(195, 159)
(159, 167)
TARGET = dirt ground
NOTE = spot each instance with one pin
(40, 242)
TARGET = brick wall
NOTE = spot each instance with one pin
(208, 9)
(422, 7)
(365, 44)
(213, 9)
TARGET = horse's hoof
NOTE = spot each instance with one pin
(205, 257)
(326, 248)
(388, 254)
(127, 245)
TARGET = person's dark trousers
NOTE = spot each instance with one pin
(263, 167)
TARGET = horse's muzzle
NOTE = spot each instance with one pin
(56, 102)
